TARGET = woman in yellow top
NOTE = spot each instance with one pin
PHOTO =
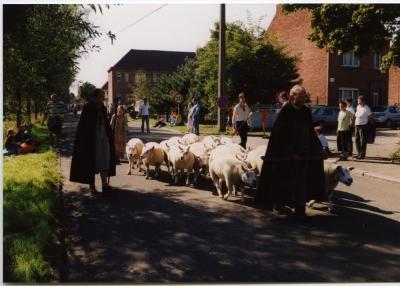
(119, 124)
(344, 130)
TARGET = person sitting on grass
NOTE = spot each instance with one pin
(10, 146)
(325, 146)
(160, 121)
(172, 118)
(21, 135)
(29, 143)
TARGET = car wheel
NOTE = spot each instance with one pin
(389, 123)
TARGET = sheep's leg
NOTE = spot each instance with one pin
(139, 164)
(157, 171)
(216, 181)
(230, 189)
(331, 207)
(196, 175)
(188, 172)
(176, 177)
(166, 162)
(130, 159)
(147, 171)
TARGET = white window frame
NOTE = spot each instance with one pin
(376, 61)
(119, 76)
(354, 60)
(353, 96)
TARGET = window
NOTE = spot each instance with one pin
(350, 59)
(345, 93)
(127, 77)
(119, 77)
(376, 61)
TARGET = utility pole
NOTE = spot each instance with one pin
(221, 68)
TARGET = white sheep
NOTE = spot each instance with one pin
(225, 140)
(201, 153)
(231, 171)
(182, 159)
(152, 155)
(334, 174)
(190, 138)
(211, 141)
(230, 149)
(254, 158)
(176, 140)
(134, 149)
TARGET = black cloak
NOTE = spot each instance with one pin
(84, 154)
(285, 143)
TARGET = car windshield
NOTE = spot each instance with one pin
(378, 108)
(315, 110)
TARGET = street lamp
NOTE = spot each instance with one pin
(221, 68)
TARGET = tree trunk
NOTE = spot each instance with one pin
(28, 109)
(35, 108)
(19, 108)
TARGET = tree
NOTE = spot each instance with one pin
(142, 88)
(182, 81)
(86, 90)
(254, 65)
(367, 28)
(42, 44)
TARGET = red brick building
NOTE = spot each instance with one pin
(330, 77)
(124, 74)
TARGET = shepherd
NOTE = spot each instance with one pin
(292, 172)
(94, 149)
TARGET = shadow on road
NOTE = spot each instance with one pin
(134, 235)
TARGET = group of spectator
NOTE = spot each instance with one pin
(21, 142)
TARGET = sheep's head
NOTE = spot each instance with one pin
(185, 153)
(248, 176)
(343, 175)
(147, 152)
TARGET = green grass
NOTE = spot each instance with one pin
(396, 154)
(29, 191)
(204, 129)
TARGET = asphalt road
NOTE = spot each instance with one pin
(152, 231)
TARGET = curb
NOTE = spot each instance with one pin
(361, 173)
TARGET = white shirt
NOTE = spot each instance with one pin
(351, 109)
(239, 114)
(362, 114)
(323, 141)
(144, 109)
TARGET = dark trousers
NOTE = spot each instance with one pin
(145, 118)
(242, 128)
(196, 126)
(344, 141)
(361, 140)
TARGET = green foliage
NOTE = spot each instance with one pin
(142, 88)
(30, 182)
(254, 65)
(182, 81)
(42, 44)
(341, 27)
(86, 90)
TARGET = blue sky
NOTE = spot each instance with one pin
(175, 27)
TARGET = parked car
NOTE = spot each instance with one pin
(387, 115)
(325, 116)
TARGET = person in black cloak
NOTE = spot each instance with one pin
(293, 171)
(94, 150)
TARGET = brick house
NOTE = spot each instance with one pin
(329, 77)
(125, 73)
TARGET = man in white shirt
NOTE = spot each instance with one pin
(241, 113)
(349, 103)
(144, 112)
(361, 118)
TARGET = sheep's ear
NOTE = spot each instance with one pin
(188, 149)
(244, 168)
(152, 148)
(166, 144)
(239, 158)
(205, 147)
(351, 168)
(180, 148)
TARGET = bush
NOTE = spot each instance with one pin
(30, 182)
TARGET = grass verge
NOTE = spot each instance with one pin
(204, 129)
(29, 198)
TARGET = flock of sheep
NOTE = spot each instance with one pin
(224, 161)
